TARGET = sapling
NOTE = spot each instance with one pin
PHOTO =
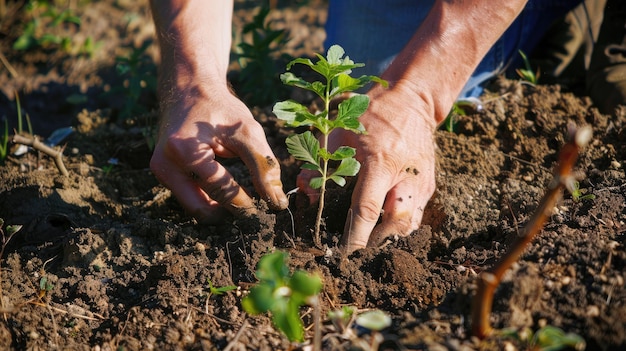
(335, 70)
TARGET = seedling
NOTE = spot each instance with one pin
(282, 294)
(335, 70)
(138, 75)
(527, 73)
(49, 28)
(547, 338)
(489, 280)
(258, 78)
(578, 194)
(220, 290)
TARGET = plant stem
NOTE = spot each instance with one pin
(318, 220)
(489, 280)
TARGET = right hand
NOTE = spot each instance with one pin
(199, 124)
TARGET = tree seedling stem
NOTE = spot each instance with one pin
(489, 280)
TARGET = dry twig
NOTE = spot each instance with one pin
(57, 155)
(490, 279)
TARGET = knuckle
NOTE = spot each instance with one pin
(368, 210)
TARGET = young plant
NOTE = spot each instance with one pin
(547, 338)
(579, 194)
(258, 79)
(335, 70)
(139, 77)
(527, 73)
(220, 290)
(282, 294)
(46, 27)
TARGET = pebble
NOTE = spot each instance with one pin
(593, 311)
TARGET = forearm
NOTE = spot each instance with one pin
(194, 38)
(447, 47)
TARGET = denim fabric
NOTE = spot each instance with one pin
(375, 31)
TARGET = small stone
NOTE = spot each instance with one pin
(592, 311)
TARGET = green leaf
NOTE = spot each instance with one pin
(286, 317)
(259, 300)
(300, 60)
(353, 107)
(348, 167)
(345, 83)
(304, 147)
(339, 180)
(295, 114)
(551, 338)
(305, 284)
(24, 42)
(334, 54)
(291, 79)
(220, 290)
(272, 268)
(349, 112)
(316, 182)
(343, 152)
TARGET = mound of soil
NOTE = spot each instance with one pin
(107, 260)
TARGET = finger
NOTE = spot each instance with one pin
(303, 183)
(188, 193)
(220, 186)
(367, 202)
(404, 207)
(264, 170)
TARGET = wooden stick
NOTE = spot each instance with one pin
(489, 280)
(33, 142)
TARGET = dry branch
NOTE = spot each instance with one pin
(489, 280)
(57, 155)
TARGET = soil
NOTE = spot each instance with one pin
(127, 269)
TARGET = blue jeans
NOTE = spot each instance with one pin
(375, 31)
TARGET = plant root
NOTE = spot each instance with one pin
(489, 280)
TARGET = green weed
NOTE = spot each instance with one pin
(219, 290)
(548, 338)
(527, 74)
(50, 27)
(138, 77)
(580, 194)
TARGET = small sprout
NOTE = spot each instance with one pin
(44, 286)
(282, 294)
(527, 73)
(375, 320)
(578, 194)
(341, 318)
(220, 290)
(551, 338)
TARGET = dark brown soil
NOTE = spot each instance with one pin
(129, 270)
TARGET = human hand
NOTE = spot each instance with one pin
(397, 173)
(199, 124)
